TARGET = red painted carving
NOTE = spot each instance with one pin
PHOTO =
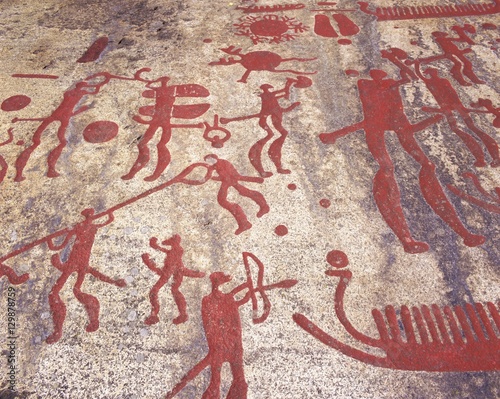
(490, 109)
(100, 131)
(269, 28)
(3, 164)
(383, 110)
(222, 325)
(271, 108)
(472, 345)
(325, 203)
(453, 10)
(281, 230)
(12, 276)
(292, 186)
(230, 177)
(78, 262)
(346, 26)
(94, 51)
(448, 104)
(160, 118)
(323, 27)
(62, 114)
(216, 140)
(172, 267)
(477, 201)
(258, 61)
(15, 103)
(344, 42)
(274, 8)
(34, 76)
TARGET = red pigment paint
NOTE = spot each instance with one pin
(78, 262)
(34, 76)
(159, 116)
(323, 27)
(489, 26)
(274, 8)
(344, 42)
(292, 186)
(325, 203)
(15, 103)
(3, 171)
(172, 267)
(446, 339)
(230, 177)
(351, 73)
(337, 259)
(258, 61)
(11, 275)
(222, 326)
(269, 28)
(346, 26)
(62, 114)
(271, 109)
(100, 131)
(207, 40)
(94, 51)
(281, 230)
(461, 10)
(383, 111)
(414, 42)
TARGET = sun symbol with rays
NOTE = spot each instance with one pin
(269, 28)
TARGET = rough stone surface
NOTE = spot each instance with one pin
(333, 199)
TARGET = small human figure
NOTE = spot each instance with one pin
(172, 267)
(77, 262)
(383, 110)
(449, 101)
(270, 108)
(230, 177)
(461, 64)
(62, 114)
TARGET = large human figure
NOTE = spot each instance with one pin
(449, 102)
(78, 262)
(230, 177)
(222, 325)
(62, 114)
(383, 111)
(174, 268)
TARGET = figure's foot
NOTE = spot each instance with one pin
(54, 337)
(128, 176)
(180, 319)
(415, 247)
(16, 280)
(266, 174)
(151, 178)
(19, 178)
(284, 171)
(495, 163)
(152, 319)
(52, 173)
(243, 228)
(262, 211)
(474, 240)
(92, 326)
(480, 163)
(121, 283)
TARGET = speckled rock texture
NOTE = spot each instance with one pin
(249, 199)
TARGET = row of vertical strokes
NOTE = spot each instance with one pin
(436, 327)
(433, 11)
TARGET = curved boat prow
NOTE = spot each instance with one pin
(318, 333)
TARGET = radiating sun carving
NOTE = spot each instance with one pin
(269, 28)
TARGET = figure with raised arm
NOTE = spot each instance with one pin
(172, 267)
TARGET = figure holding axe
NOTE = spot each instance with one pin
(270, 107)
(222, 325)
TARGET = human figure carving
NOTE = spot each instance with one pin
(172, 267)
(62, 114)
(449, 102)
(230, 177)
(77, 262)
(383, 110)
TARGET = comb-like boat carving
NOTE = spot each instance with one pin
(426, 338)
(419, 12)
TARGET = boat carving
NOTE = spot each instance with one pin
(419, 12)
(459, 338)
